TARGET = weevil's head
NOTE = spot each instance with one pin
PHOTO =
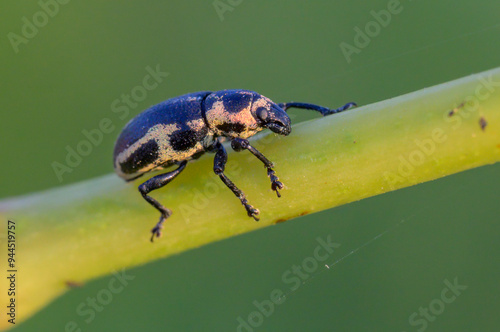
(271, 116)
(243, 113)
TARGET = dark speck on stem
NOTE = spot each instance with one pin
(483, 123)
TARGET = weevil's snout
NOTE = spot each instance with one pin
(279, 121)
(275, 119)
(281, 127)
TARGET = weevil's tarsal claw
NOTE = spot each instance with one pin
(156, 231)
(255, 217)
(252, 212)
(275, 183)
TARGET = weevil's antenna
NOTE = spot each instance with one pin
(323, 110)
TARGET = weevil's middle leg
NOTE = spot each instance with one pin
(219, 166)
(239, 144)
(156, 183)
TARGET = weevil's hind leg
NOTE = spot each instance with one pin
(153, 184)
(219, 166)
(239, 144)
(323, 110)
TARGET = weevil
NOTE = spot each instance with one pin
(183, 128)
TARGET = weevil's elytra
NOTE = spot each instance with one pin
(183, 128)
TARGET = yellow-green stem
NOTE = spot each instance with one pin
(82, 231)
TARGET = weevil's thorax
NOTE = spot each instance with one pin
(230, 113)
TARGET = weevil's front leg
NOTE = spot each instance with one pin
(155, 183)
(219, 166)
(323, 110)
(239, 144)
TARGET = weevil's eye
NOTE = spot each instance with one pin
(262, 114)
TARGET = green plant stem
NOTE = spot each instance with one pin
(86, 230)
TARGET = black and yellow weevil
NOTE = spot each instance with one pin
(183, 128)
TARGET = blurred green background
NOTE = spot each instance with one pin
(65, 78)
